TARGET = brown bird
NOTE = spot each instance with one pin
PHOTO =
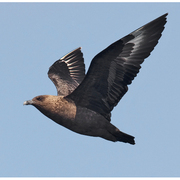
(84, 102)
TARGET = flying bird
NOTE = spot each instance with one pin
(84, 101)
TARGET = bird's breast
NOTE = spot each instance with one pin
(60, 110)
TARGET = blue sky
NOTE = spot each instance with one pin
(33, 36)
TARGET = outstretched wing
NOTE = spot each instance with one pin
(68, 72)
(115, 67)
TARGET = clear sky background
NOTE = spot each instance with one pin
(32, 37)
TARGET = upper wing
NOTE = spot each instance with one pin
(68, 72)
(115, 67)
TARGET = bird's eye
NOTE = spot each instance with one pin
(39, 98)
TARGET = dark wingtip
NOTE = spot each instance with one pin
(164, 16)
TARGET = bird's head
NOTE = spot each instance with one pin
(54, 107)
(44, 103)
(38, 100)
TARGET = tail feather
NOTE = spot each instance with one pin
(123, 137)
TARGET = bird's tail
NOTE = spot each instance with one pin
(123, 137)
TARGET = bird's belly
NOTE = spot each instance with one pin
(88, 122)
(85, 122)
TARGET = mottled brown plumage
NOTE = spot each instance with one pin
(84, 102)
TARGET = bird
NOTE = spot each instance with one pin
(84, 102)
